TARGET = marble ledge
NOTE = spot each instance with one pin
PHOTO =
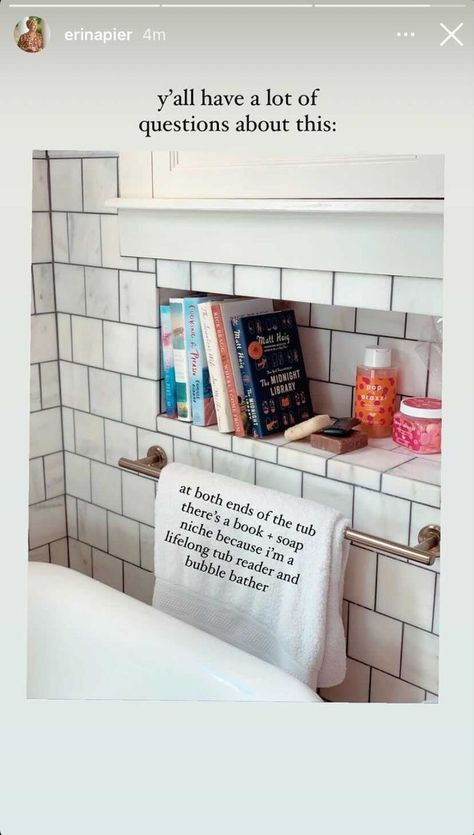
(381, 466)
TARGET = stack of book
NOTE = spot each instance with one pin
(234, 362)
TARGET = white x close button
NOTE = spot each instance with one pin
(451, 36)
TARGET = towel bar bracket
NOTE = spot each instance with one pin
(429, 537)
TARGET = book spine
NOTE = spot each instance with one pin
(183, 392)
(203, 410)
(247, 382)
(228, 370)
(168, 361)
(216, 374)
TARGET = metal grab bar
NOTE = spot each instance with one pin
(429, 538)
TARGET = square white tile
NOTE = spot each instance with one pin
(420, 658)
(138, 298)
(418, 295)
(138, 583)
(106, 486)
(105, 393)
(212, 278)
(264, 449)
(328, 492)
(314, 286)
(37, 491)
(331, 398)
(275, 477)
(84, 239)
(44, 288)
(364, 466)
(418, 480)
(333, 317)
(99, 183)
(40, 201)
(120, 441)
(120, 347)
(41, 250)
(80, 557)
(87, 347)
(60, 237)
(66, 185)
(139, 498)
(302, 456)
(257, 281)
(45, 432)
(360, 290)
(360, 577)
(50, 392)
(54, 474)
(380, 322)
(43, 338)
(92, 525)
(89, 435)
(176, 274)
(374, 639)
(172, 426)
(107, 569)
(74, 385)
(102, 298)
(70, 289)
(354, 688)
(124, 539)
(149, 353)
(195, 455)
(412, 371)
(59, 552)
(234, 466)
(78, 476)
(47, 522)
(405, 592)
(347, 352)
(381, 515)
(147, 265)
(388, 689)
(147, 439)
(211, 436)
(139, 401)
(147, 547)
(315, 347)
(35, 390)
(111, 256)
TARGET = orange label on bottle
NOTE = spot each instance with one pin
(375, 399)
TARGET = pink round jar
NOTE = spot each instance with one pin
(417, 425)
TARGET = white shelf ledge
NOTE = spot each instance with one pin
(300, 206)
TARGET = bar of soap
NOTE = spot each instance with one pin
(302, 430)
(356, 440)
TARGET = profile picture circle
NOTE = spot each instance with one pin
(31, 34)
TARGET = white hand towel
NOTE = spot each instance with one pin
(259, 569)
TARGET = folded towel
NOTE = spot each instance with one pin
(259, 569)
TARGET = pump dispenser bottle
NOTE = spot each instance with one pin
(376, 388)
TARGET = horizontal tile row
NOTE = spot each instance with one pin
(99, 293)
(107, 394)
(83, 185)
(55, 552)
(46, 477)
(380, 292)
(131, 579)
(85, 239)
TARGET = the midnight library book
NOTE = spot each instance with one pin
(273, 373)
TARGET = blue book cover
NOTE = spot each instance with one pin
(273, 374)
(202, 401)
(183, 386)
(168, 361)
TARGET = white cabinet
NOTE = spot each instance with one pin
(188, 174)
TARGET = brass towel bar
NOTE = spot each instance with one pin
(429, 538)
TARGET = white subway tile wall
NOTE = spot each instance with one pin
(100, 329)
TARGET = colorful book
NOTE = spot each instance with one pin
(202, 401)
(181, 369)
(168, 361)
(216, 371)
(222, 313)
(273, 373)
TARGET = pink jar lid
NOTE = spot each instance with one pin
(421, 407)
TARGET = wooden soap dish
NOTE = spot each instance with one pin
(356, 440)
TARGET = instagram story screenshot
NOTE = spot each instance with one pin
(237, 270)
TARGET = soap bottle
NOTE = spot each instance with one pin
(376, 388)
